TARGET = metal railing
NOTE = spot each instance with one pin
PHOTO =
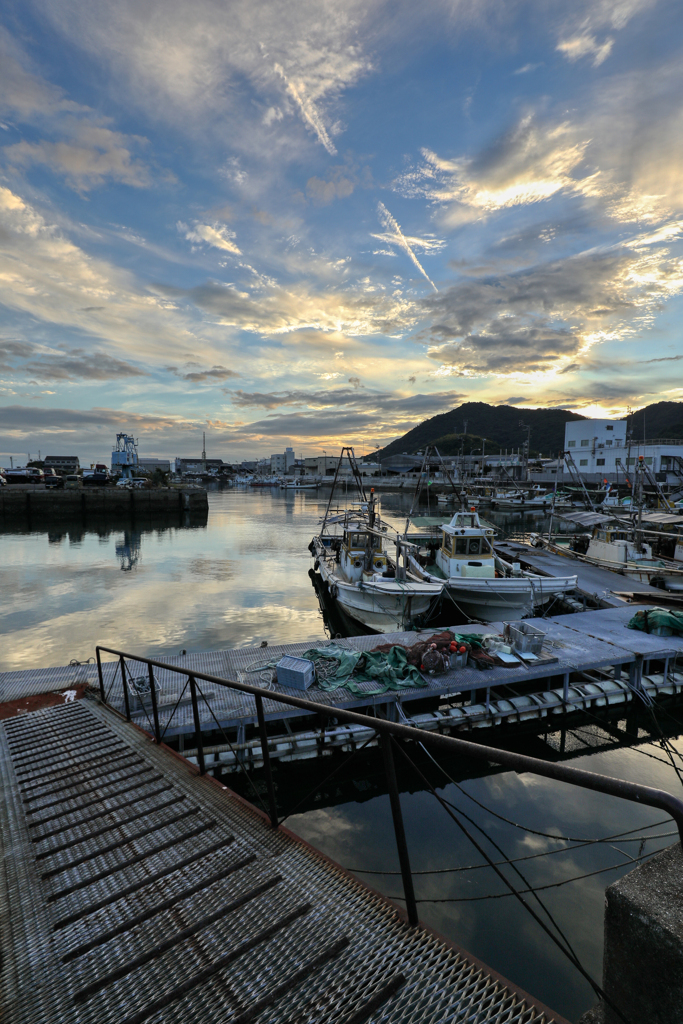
(388, 733)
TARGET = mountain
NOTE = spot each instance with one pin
(499, 424)
(662, 419)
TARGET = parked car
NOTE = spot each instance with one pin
(133, 482)
(3, 482)
(53, 479)
(73, 480)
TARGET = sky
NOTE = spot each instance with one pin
(309, 223)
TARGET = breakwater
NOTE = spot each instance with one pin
(41, 503)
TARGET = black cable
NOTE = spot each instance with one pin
(517, 860)
(344, 764)
(570, 956)
(537, 888)
(507, 859)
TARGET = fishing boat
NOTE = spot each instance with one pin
(299, 485)
(478, 581)
(535, 501)
(358, 573)
(362, 578)
(619, 544)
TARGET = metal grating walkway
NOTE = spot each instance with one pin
(133, 891)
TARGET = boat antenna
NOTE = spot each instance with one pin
(418, 488)
(357, 477)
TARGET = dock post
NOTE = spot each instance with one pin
(124, 683)
(155, 710)
(399, 830)
(197, 726)
(99, 673)
(272, 805)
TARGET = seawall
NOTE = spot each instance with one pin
(38, 502)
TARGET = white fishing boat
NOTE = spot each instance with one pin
(535, 501)
(619, 545)
(299, 485)
(481, 584)
(360, 576)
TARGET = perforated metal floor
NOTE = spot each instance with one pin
(133, 891)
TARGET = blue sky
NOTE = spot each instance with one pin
(290, 223)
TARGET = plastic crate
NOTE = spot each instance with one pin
(524, 638)
(299, 673)
(458, 660)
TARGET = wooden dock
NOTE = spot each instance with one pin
(135, 890)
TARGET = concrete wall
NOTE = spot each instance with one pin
(643, 965)
(17, 500)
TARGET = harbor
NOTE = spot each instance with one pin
(593, 677)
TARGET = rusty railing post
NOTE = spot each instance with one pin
(197, 727)
(155, 710)
(403, 858)
(124, 683)
(99, 673)
(272, 805)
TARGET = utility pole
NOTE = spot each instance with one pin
(527, 443)
(204, 451)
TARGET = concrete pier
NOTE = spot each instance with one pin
(40, 503)
(643, 964)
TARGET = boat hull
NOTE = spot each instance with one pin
(386, 606)
(505, 597)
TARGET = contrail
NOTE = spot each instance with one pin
(309, 112)
(390, 222)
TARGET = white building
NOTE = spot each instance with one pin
(282, 463)
(601, 450)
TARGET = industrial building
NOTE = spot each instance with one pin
(62, 463)
(602, 450)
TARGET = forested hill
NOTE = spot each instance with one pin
(499, 424)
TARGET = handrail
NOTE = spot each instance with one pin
(632, 791)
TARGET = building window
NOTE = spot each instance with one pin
(630, 462)
(608, 442)
(571, 444)
(585, 443)
(611, 427)
(648, 460)
(618, 441)
(583, 462)
(599, 462)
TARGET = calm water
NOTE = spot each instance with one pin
(241, 577)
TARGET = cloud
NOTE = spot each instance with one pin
(586, 45)
(543, 317)
(217, 235)
(29, 360)
(193, 66)
(352, 398)
(23, 92)
(397, 236)
(45, 275)
(309, 112)
(527, 164)
(215, 375)
(95, 154)
(323, 192)
(273, 309)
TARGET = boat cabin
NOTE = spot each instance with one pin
(361, 553)
(466, 548)
(612, 544)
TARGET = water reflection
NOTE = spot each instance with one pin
(128, 550)
(242, 576)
